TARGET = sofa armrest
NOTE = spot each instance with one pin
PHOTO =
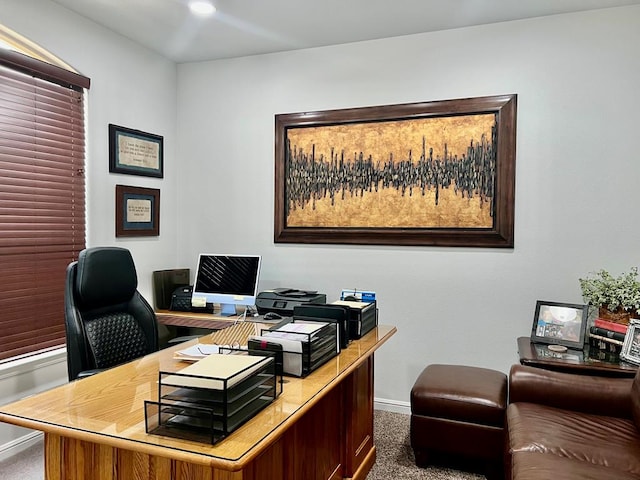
(582, 393)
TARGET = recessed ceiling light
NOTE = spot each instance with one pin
(202, 8)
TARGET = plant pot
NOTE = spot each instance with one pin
(618, 316)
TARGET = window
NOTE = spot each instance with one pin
(42, 198)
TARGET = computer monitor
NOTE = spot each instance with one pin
(229, 280)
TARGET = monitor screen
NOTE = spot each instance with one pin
(228, 280)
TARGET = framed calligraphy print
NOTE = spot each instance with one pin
(135, 153)
(137, 211)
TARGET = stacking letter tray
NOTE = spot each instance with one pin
(196, 405)
(305, 345)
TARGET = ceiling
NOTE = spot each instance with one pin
(250, 27)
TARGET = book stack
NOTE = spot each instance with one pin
(607, 336)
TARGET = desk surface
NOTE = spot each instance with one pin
(108, 408)
(212, 321)
(194, 320)
(574, 361)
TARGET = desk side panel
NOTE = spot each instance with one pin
(268, 465)
(313, 446)
(359, 417)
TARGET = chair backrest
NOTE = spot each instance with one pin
(107, 321)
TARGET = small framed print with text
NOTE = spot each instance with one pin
(137, 211)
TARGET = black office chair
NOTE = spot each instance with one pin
(107, 321)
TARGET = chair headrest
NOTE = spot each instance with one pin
(105, 276)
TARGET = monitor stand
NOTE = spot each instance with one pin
(227, 310)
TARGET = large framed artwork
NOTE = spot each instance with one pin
(433, 173)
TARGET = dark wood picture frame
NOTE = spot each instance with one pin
(137, 211)
(134, 152)
(560, 324)
(299, 185)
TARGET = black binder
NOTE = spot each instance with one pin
(326, 312)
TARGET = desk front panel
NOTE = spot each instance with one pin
(108, 408)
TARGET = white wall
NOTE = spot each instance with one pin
(576, 77)
(132, 87)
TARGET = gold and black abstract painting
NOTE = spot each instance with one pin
(435, 173)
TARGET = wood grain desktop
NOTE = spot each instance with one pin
(194, 320)
(320, 427)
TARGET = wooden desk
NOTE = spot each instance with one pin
(194, 320)
(320, 427)
(572, 361)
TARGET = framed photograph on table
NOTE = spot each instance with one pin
(135, 152)
(631, 347)
(562, 324)
(137, 211)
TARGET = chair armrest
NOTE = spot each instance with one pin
(582, 393)
(88, 373)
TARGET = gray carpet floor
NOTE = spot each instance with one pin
(394, 456)
(27, 465)
(391, 433)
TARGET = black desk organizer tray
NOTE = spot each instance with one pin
(316, 348)
(363, 317)
(187, 410)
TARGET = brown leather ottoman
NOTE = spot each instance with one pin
(457, 418)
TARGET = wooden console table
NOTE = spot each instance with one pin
(320, 427)
(572, 361)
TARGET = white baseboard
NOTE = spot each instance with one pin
(395, 406)
(20, 378)
(16, 446)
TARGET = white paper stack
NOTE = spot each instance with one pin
(295, 338)
(196, 352)
(212, 371)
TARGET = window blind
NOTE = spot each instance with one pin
(42, 198)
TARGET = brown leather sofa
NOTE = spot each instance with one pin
(567, 426)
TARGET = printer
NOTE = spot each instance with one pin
(282, 300)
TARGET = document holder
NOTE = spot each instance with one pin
(206, 408)
(327, 312)
(259, 346)
(363, 317)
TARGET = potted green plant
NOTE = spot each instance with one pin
(618, 298)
